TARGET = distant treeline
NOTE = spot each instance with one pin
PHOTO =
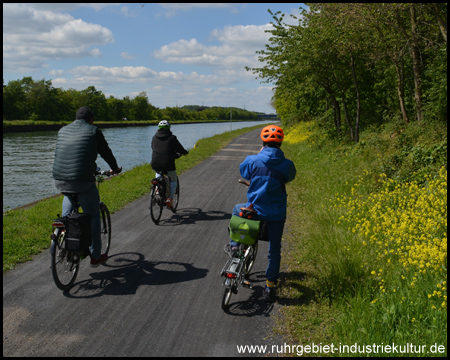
(28, 99)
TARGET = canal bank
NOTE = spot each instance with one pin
(49, 127)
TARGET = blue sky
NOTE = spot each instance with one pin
(179, 54)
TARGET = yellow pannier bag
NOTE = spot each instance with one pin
(244, 230)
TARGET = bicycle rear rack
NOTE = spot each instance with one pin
(232, 268)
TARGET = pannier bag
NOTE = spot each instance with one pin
(244, 230)
(263, 232)
(78, 231)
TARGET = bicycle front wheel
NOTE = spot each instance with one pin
(226, 298)
(105, 228)
(250, 258)
(156, 205)
(65, 264)
(176, 196)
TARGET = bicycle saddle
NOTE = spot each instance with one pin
(249, 209)
(72, 195)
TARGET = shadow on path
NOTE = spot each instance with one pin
(126, 272)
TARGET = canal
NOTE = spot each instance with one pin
(28, 156)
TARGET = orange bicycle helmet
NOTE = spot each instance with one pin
(272, 133)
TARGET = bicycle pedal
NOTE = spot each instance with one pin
(247, 284)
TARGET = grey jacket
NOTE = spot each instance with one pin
(76, 151)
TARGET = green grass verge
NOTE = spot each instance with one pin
(26, 232)
(329, 287)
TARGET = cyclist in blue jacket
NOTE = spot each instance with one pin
(268, 172)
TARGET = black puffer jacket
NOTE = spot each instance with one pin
(165, 147)
(77, 147)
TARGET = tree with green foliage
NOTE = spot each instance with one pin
(355, 59)
(27, 99)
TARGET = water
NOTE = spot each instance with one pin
(28, 156)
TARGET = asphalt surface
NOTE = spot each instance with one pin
(160, 292)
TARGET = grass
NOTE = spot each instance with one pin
(26, 231)
(338, 284)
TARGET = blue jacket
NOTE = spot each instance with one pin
(268, 172)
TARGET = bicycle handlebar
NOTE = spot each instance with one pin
(107, 172)
(245, 182)
(178, 155)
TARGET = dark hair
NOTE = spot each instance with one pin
(272, 144)
(85, 113)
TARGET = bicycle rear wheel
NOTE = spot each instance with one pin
(176, 196)
(156, 204)
(65, 264)
(105, 228)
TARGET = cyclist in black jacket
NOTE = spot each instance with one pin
(165, 149)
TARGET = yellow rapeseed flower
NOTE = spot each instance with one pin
(405, 224)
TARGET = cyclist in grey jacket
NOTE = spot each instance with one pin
(77, 147)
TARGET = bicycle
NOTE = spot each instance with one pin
(160, 192)
(238, 267)
(66, 263)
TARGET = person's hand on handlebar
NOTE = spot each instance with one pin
(117, 171)
(178, 155)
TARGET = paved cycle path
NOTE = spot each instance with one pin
(160, 292)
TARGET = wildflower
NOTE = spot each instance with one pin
(405, 224)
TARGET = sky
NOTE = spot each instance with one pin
(178, 53)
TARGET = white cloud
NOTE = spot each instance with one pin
(238, 46)
(31, 37)
(83, 76)
(127, 56)
(173, 8)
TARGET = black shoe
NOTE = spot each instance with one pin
(269, 294)
(96, 262)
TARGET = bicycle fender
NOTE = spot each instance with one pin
(52, 247)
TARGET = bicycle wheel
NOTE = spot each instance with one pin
(156, 204)
(176, 196)
(226, 298)
(65, 264)
(250, 258)
(105, 228)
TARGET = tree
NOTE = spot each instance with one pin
(115, 108)
(140, 107)
(14, 101)
(95, 100)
